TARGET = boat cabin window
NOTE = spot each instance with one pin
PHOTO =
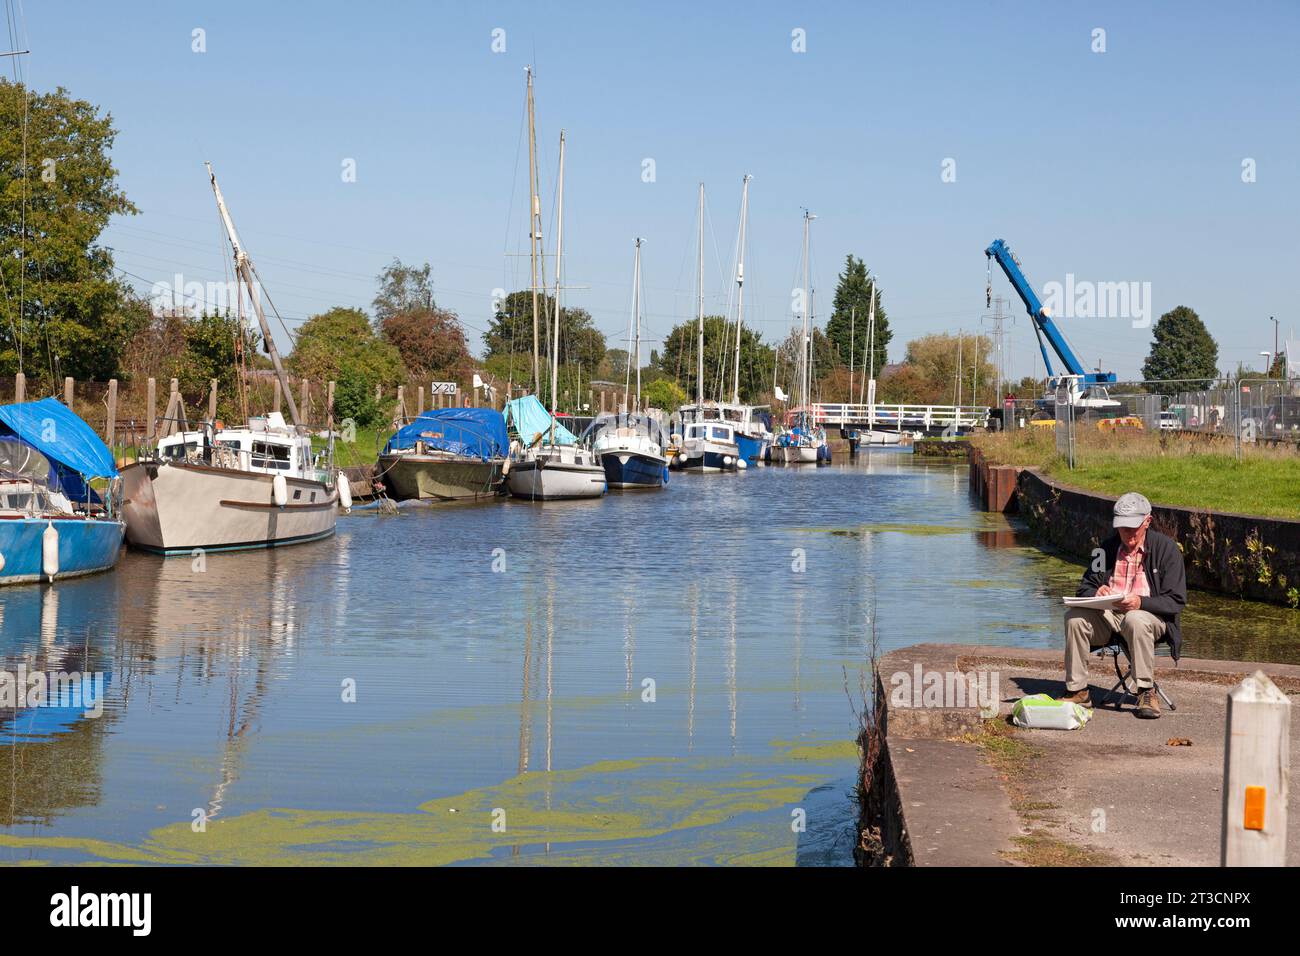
(697, 431)
(179, 451)
(267, 455)
(722, 434)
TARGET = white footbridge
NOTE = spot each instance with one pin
(954, 419)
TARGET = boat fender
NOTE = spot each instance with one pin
(742, 464)
(345, 492)
(50, 551)
(280, 490)
(2, 561)
(726, 460)
(505, 468)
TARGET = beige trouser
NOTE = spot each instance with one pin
(1089, 627)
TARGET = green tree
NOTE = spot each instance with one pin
(678, 359)
(666, 394)
(1182, 349)
(848, 326)
(510, 331)
(354, 398)
(403, 288)
(932, 376)
(342, 340)
(59, 189)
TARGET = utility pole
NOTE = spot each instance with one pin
(1275, 344)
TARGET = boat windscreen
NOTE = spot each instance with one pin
(20, 460)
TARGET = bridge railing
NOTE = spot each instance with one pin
(899, 416)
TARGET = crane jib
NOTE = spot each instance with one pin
(1044, 326)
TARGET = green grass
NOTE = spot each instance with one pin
(1168, 469)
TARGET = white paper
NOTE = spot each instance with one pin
(1097, 601)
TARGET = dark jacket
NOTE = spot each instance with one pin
(1165, 575)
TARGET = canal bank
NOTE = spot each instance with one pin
(1241, 555)
(948, 787)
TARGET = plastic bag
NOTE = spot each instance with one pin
(1045, 712)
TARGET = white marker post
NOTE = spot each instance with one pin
(1256, 763)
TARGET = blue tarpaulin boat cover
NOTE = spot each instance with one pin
(530, 418)
(60, 435)
(473, 432)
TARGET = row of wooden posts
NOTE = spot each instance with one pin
(173, 416)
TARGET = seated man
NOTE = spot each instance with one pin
(1147, 568)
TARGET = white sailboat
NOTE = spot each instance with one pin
(549, 464)
(259, 486)
(805, 444)
(706, 445)
(630, 444)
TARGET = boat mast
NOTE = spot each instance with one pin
(559, 268)
(636, 312)
(740, 285)
(699, 282)
(244, 266)
(804, 353)
(534, 225)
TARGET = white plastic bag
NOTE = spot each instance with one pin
(1047, 713)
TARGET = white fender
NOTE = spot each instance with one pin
(742, 464)
(726, 460)
(505, 468)
(2, 561)
(280, 489)
(50, 551)
(345, 492)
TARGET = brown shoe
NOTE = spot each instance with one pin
(1081, 697)
(1148, 704)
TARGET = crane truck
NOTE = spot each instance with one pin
(1086, 390)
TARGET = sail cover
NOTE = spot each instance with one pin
(531, 419)
(472, 432)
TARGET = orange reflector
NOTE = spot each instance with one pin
(1254, 815)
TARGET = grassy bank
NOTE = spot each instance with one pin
(1168, 469)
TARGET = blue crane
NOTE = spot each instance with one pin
(1044, 327)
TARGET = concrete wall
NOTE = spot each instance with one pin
(1241, 555)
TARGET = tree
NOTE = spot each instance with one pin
(848, 327)
(59, 190)
(1183, 356)
(403, 288)
(931, 376)
(665, 394)
(510, 331)
(342, 340)
(787, 359)
(431, 342)
(679, 359)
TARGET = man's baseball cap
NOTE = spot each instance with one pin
(1131, 510)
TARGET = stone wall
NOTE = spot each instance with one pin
(1242, 555)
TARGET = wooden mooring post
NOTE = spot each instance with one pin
(303, 400)
(212, 400)
(151, 409)
(110, 423)
(275, 405)
(69, 390)
(419, 401)
(1256, 765)
(20, 388)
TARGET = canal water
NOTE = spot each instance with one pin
(653, 678)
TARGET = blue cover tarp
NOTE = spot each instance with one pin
(530, 418)
(474, 432)
(60, 435)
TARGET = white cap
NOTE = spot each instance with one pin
(1131, 510)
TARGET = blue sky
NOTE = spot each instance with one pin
(1117, 166)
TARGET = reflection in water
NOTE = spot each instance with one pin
(226, 675)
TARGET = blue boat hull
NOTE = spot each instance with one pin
(84, 547)
(751, 449)
(636, 472)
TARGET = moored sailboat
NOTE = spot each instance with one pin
(53, 523)
(218, 489)
(447, 454)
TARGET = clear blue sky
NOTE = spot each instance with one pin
(1124, 165)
